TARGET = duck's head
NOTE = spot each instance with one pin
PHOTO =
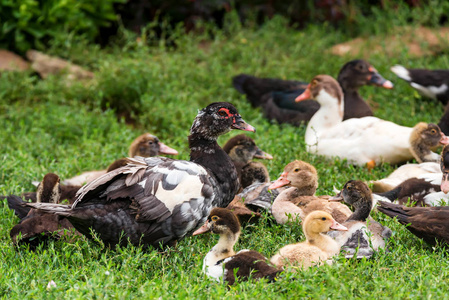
(355, 193)
(445, 169)
(217, 119)
(320, 222)
(49, 189)
(220, 221)
(242, 148)
(425, 137)
(322, 88)
(357, 73)
(298, 174)
(148, 145)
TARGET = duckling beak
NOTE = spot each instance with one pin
(164, 149)
(240, 124)
(282, 181)
(445, 183)
(304, 96)
(203, 229)
(338, 226)
(376, 79)
(262, 155)
(444, 139)
(337, 197)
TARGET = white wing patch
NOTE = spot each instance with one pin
(430, 91)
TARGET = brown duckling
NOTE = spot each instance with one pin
(145, 145)
(317, 248)
(242, 149)
(363, 237)
(299, 200)
(37, 227)
(222, 262)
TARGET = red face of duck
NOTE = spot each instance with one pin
(164, 149)
(282, 181)
(375, 78)
(237, 121)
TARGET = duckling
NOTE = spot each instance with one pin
(423, 139)
(299, 200)
(222, 262)
(145, 145)
(37, 227)
(317, 248)
(242, 150)
(362, 237)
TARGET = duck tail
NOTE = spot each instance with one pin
(238, 82)
(401, 72)
(51, 208)
(394, 210)
(16, 204)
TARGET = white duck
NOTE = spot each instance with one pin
(362, 141)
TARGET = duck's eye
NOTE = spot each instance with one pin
(297, 170)
(348, 187)
(223, 112)
(433, 131)
(214, 218)
(150, 143)
(323, 218)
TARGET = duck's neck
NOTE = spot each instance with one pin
(224, 248)
(329, 115)
(422, 153)
(322, 241)
(362, 209)
(207, 153)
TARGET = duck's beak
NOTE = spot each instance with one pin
(337, 197)
(282, 181)
(376, 79)
(445, 183)
(164, 149)
(444, 139)
(240, 124)
(338, 226)
(262, 155)
(304, 96)
(203, 229)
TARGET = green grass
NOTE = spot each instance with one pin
(48, 126)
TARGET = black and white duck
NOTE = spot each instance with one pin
(242, 150)
(277, 97)
(364, 236)
(145, 145)
(157, 200)
(222, 262)
(36, 226)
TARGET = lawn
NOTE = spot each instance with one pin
(51, 126)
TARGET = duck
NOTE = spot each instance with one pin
(424, 138)
(318, 246)
(276, 96)
(424, 190)
(427, 223)
(365, 141)
(364, 235)
(222, 263)
(432, 84)
(38, 227)
(157, 201)
(242, 150)
(299, 199)
(145, 145)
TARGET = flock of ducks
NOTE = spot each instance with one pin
(150, 200)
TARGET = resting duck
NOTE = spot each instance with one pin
(362, 237)
(157, 200)
(428, 223)
(145, 145)
(426, 190)
(222, 262)
(299, 200)
(362, 141)
(317, 248)
(242, 150)
(423, 139)
(429, 83)
(277, 96)
(37, 227)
